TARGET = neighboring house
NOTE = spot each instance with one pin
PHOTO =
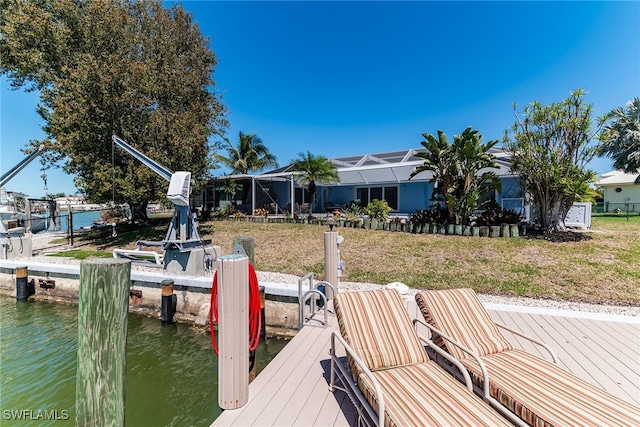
(362, 178)
(73, 201)
(621, 191)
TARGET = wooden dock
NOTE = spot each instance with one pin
(293, 389)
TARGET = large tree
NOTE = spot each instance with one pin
(131, 68)
(620, 138)
(550, 148)
(460, 170)
(314, 170)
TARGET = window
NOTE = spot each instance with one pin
(618, 189)
(366, 194)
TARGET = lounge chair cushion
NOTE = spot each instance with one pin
(388, 340)
(538, 391)
(460, 314)
(527, 384)
(424, 395)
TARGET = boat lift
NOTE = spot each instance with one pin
(185, 252)
(16, 241)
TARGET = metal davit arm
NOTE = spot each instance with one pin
(153, 165)
(6, 177)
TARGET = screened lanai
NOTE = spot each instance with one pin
(362, 179)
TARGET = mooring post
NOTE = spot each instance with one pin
(22, 286)
(70, 225)
(248, 245)
(233, 331)
(103, 309)
(169, 301)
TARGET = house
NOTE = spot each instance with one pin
(621, 191)
(362, 178)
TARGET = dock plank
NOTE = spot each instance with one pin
(294, 388)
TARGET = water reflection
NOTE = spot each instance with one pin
(171, 369)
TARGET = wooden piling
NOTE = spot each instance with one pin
(22, 286)
(233, 331)
(169, 300)
(103, 308)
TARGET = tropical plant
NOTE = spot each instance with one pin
(550, 148)
(471, 156)
(378, 209)
(250, 155)
(314, 170)
(421, 216)
(620, 139)
(133, 68)
(458, 183)
(439, 160)
(497, 216)
(229, 187)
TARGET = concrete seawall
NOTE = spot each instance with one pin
(281, 301)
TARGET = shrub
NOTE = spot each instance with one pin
(497, 216)
(378, 209)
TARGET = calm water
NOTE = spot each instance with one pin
(171, 369)
(80, 219)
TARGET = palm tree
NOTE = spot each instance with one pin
(472, 156)
(251, 155)
(314, 169)
(456, 167)
(621, 139)
(439, 159)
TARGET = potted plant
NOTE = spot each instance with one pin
(378, 210)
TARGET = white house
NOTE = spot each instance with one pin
(621, 191)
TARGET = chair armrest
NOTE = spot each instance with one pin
(533, 340)
(483, 368)
(485, 374)
(376, 385)
(450, 358)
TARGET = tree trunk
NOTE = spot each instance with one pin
(138, 212)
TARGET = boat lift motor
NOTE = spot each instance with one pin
(185, 252)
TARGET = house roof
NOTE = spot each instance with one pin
(618, 177)
(392, 166)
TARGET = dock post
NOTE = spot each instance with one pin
(331, 258)
(103, 309)
(169, 301)
(70, 225)
(233, 331)
(22, 285)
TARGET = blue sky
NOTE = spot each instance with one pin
(350, 78)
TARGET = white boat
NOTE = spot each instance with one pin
(12, 216)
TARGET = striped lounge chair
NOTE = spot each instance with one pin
(389, 369)
(538, 391)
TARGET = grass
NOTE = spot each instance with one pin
(83, 254)
(602, 270)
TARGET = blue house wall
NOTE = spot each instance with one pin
(412, 195)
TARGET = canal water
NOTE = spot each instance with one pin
(171, 369)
